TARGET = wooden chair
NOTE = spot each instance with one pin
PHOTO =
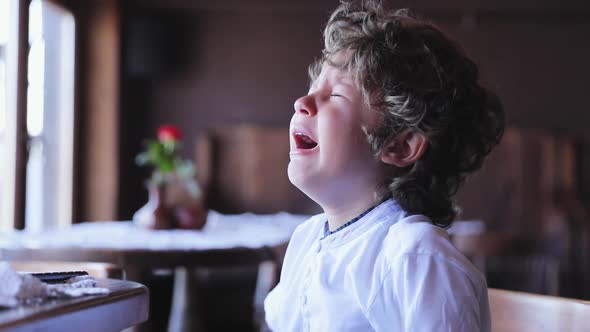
(521, 312)
(97, 270)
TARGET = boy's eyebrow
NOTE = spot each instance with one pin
(343, 79)
(346, 82)
(339, 78)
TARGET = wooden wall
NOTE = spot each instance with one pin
(202, 64)
(246, 63)
(97, 93)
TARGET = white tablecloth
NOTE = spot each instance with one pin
(221, 232)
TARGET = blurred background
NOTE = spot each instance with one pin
(84, 83)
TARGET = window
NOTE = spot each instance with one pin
(50, 116)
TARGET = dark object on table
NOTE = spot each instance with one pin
(58, 277)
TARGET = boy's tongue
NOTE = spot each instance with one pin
(305, 142)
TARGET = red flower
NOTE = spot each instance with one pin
(169, 133)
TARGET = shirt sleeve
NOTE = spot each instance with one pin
(426, 293)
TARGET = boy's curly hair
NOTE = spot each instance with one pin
(415, 77)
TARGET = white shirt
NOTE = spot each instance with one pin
(386, 272)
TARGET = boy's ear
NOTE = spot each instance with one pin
(404, 149)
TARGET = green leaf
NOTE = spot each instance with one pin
(155, 153)
(166, 165)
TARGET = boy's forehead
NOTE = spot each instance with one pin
(334, 74)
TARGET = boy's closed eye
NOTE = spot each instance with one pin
(342, 93)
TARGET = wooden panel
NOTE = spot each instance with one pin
(528, 186)
(521, 180)
(248, 171)
(101, 112)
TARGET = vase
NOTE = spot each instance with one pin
(155, 214)
(193, 216)
(169, 206)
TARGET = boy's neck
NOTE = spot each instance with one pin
(340, 214)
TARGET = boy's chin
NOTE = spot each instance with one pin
(304, 183)
(298, 180)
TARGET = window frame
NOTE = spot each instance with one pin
(16, 97)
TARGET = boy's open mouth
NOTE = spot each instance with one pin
(304, 142)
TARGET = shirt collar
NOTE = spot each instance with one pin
(328, 232)
(387, 212)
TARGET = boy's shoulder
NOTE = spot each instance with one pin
(415, 238)
(416, 234)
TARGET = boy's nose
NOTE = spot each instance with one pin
(305, 106)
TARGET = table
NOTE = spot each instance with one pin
(226, 240)
(125, 306)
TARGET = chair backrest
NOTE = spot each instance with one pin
(244, 169)
(521, 312)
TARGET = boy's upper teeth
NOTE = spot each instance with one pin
(305, 137)
(303, 141)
